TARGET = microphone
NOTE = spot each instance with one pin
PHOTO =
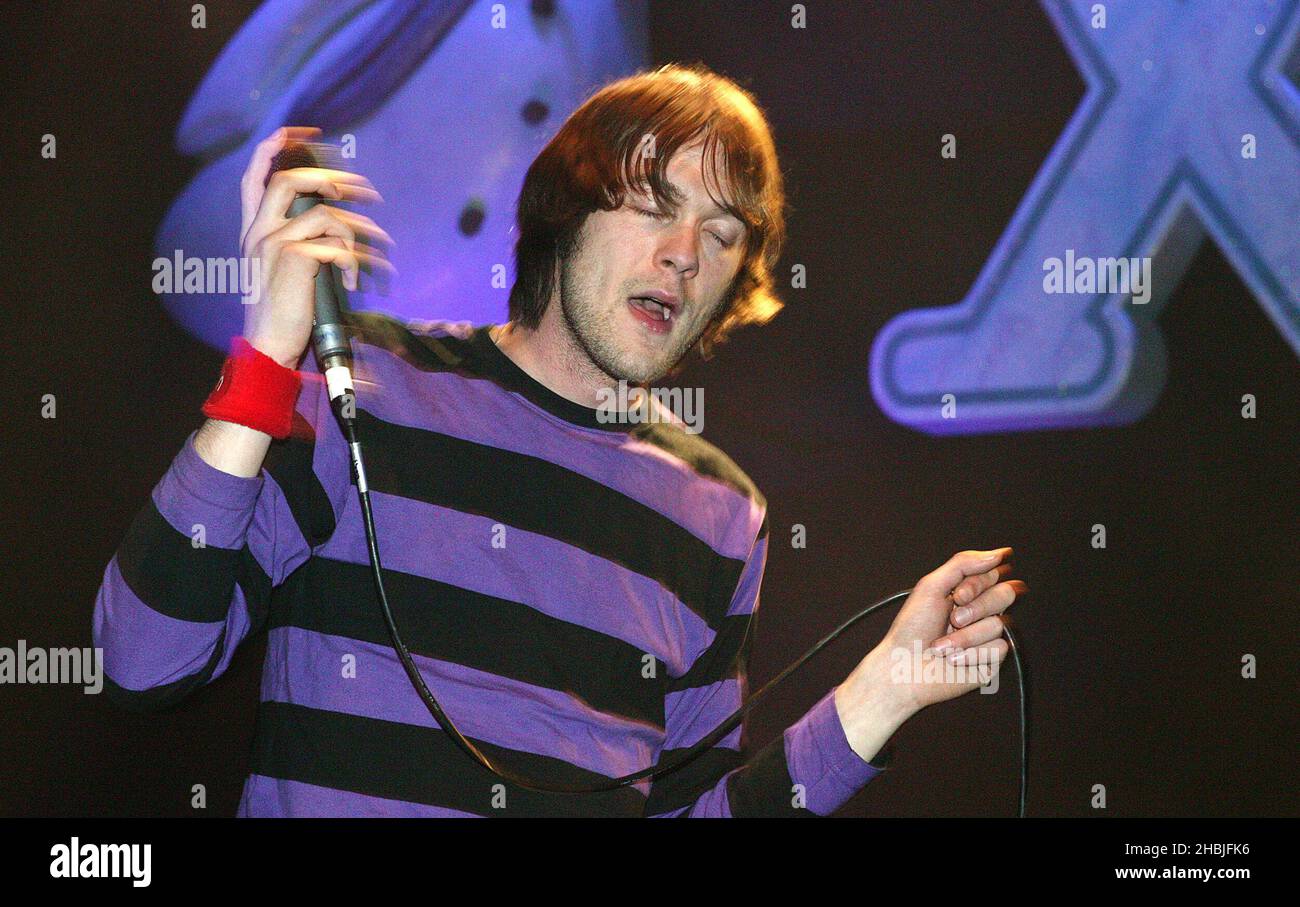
(329, 338)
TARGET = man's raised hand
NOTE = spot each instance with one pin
(290, 250)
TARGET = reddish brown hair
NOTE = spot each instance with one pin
(624, 135)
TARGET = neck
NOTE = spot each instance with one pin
(550, 355)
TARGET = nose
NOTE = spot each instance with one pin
(677, 250)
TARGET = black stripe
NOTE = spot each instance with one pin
(478, 631)
(417, 765)
(289, 462)
(723, 659)
(166, 572)
(763, 789)
(688, 783)
(541, 497)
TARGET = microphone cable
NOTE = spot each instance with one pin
(344, 405)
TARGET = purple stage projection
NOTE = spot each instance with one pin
(443, 104)
(1190, 125)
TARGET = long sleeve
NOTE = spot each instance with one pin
(810, 770)
(193, 576)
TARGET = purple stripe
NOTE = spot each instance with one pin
(478, 410)
(144, 648)
(275, 539)
(330, 459)
(819, 757)
(745, 598)
(694, 712)
(730, 539)
(192, 491)
(549, 576)
(305, 668)
(276, 797)
(232, 511)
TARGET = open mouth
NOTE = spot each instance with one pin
(656, 316)
(653, 306)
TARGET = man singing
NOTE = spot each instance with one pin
(577, 587)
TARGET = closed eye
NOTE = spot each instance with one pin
(660, 216)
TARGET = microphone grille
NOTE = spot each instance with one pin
(304, 154)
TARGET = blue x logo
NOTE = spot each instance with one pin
(1190, 125)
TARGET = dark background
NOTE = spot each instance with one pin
(1134, 650)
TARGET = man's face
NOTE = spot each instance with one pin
(687, 258)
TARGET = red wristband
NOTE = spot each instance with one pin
(254, 390)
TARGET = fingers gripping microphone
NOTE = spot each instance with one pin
(328, 334)
(329, 339)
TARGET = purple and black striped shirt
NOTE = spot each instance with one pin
(578, 594)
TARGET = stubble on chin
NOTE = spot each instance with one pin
(594, 337)
(593, 334)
